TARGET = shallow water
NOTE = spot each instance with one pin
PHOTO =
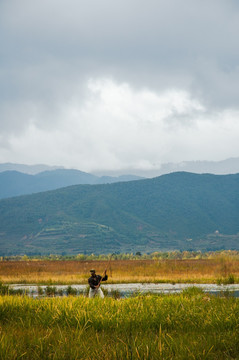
(129, 289)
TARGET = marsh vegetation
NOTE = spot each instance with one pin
(217, 268)
(191, 325)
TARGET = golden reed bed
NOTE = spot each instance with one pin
(120, 271)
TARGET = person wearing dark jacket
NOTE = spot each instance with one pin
(94, 282)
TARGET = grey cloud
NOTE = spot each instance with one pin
(50, 49)
(161, 40)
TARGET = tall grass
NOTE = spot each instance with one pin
(70, 272)
(191, 325)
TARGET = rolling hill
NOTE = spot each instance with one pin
(182, 211)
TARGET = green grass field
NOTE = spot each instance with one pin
(191, 325)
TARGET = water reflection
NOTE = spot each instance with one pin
(125, 290)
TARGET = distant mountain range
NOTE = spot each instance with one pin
(28, 169)
(223, 167)
(14, 183)
(228, 166)
(181, 211)
(21, 179)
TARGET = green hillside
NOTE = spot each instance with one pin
(174, 211)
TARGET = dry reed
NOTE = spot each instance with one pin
(120, 271)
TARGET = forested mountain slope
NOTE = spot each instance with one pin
(174, 211)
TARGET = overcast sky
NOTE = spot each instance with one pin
(109, 85)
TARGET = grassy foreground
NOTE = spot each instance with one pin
(191, 325)
(211, 270)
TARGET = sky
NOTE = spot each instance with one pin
(117, 85)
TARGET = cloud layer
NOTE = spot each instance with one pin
(104, 85)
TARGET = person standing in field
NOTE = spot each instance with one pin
(94, 282)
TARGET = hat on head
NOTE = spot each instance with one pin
(92, 270)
